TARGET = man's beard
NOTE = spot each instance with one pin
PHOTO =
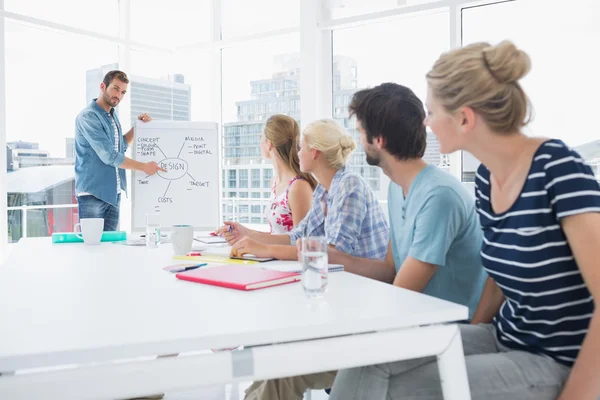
(372, 160)
(108, 100)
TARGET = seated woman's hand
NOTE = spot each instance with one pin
(232, 231)
(299, 249)
(249, 246)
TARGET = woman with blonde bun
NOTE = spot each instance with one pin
(344, 208)
(536, 331)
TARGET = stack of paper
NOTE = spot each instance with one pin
(294, 266)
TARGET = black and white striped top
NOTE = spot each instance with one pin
(548, 306)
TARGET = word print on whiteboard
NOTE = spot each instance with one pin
(188, 192)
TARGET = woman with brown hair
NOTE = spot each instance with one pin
(291, 189)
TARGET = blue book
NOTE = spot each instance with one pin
(71, 237)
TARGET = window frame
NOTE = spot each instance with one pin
(316, 28)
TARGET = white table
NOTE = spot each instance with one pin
(85, 322)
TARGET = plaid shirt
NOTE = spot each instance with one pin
(349, 216)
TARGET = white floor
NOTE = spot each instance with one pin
(228, 392)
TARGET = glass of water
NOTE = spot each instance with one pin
(152, 230)
(314, 266)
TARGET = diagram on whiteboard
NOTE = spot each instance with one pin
(187, 193)
(177, 167)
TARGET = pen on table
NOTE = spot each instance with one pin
(194, 254)
(191, 267)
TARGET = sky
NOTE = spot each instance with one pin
(45, 70)
(564, 51)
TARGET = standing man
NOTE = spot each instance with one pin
(100, 161)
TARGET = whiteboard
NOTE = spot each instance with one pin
(188, 193)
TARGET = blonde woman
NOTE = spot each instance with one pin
(536, 331)
(344, 208)
(291, 189)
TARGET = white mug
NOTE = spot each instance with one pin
(91, 230)
(182, 238)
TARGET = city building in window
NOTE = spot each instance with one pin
(163, 99)
(280, 94)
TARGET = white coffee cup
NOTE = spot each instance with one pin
(182, 238)
(90, 230)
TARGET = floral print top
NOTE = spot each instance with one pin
(279, 214)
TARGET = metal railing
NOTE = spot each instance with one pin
(235, 202)
(24, 209)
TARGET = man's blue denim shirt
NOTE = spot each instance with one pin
(95, 155)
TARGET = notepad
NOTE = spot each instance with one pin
(216, 259)
(252, 257)
(239, 277)
(297, 268)
(210, 239)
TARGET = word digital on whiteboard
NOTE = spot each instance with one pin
(188, 192)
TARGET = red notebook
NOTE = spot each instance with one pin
(241, 277)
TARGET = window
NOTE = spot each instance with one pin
(267, 15)
(232, 178)
(243, 178)
(255, 220)
(233, 194)
(255, 209)
(243, 66)
(94, 15)
(256, 178)
(266, 195)
(163, 86)
(362, 59)
(563, 58)
(252, 77)
(176, 22)
(243, 195)
(344, 9)
(267, 176)
(255, 195)
(40, 160)
(193, 69)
